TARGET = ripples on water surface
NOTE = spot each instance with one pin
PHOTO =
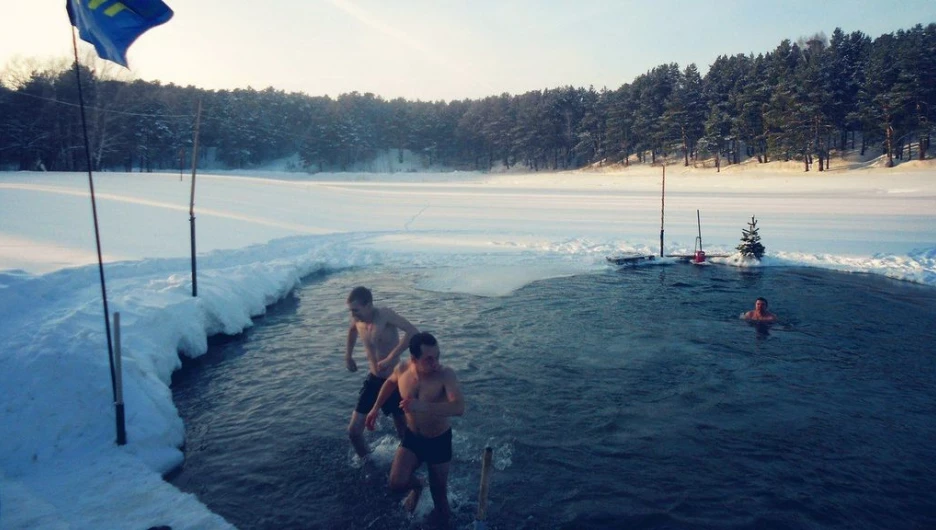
(625, 399)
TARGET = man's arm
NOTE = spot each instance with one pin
(389, 386)
(454, 404)
(408, 331)
(349, 347)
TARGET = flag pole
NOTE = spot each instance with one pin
(97, 231)
(118, 377)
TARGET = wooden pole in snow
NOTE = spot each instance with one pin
(192, 201)
(486, 459)
(662, 207)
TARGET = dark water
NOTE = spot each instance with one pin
(625, 399)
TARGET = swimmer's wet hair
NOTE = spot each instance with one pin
(418, 341)
(361, 295)
(762, 299)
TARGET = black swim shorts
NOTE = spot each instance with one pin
(436, 450)
(368, 397)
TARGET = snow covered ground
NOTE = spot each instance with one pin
(260, 233)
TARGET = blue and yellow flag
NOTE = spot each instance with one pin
(112, 26)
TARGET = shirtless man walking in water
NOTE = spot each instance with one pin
(379, 330)
(431, 395)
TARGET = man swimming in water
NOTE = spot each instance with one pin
(760, 312)
(431, 395)
(379, 330)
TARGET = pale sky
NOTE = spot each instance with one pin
(438, 49)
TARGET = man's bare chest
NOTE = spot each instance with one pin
(424, 390)
(376, 333)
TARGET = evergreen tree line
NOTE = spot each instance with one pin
(802, 101)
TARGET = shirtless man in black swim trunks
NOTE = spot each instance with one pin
(431, 395)
(379, 330)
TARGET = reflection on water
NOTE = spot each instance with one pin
(761, 328)
(625, 399)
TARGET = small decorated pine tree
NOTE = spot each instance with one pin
(750, 241)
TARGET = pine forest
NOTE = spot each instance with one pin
(807, 101)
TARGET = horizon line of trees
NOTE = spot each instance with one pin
(802, 101)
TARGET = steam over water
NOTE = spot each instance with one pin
(632, 398)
